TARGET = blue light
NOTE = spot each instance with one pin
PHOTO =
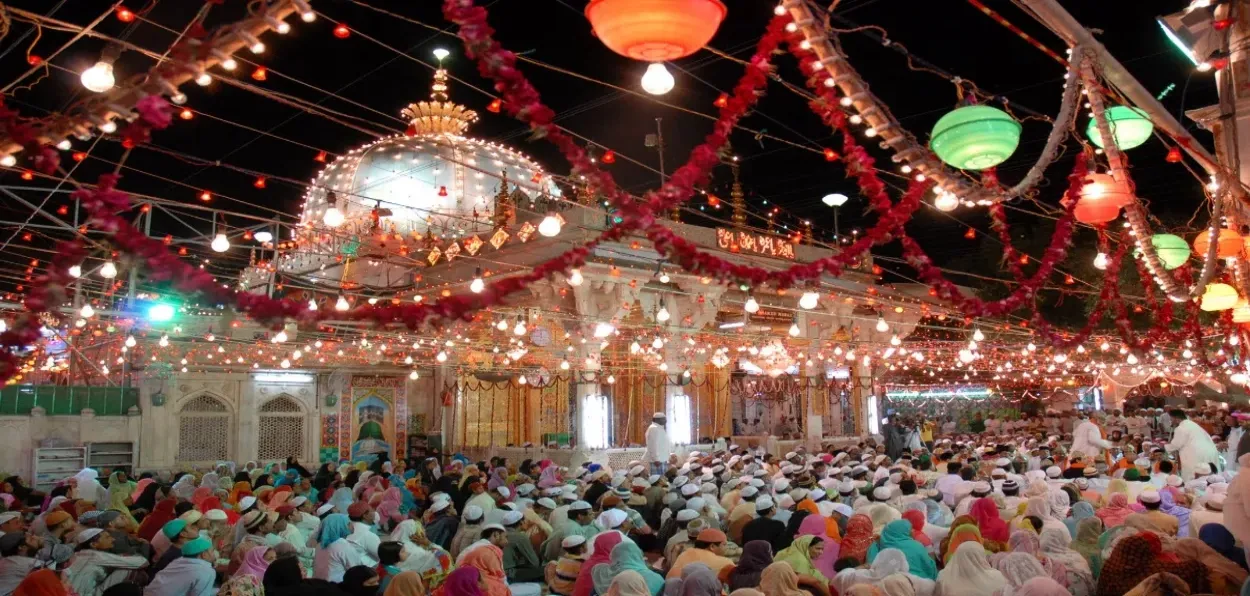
(160, 313)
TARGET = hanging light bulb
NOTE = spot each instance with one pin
(164, 341)
(809, 300)
(895, 341)
(611, 379)
(519, 329)
(575, 277)
(1100, 261)
(75, 271)
(662, 314)
(634, 348)
(108, 270)
(882, 326)
(413, 375)
(280, 337)
(285, 363)
(220, 243)
(603, 330)
(657, 343)
(751, 306)
(657, 80)
(441, 357)
(130, 341)
(550, 225)
(664, 278)
(342, 304)
(477, 285)
(99, 78)
(502, 325)
(794, 328)
(1132, 359)
(333, 218)
(312, 304)
(977, 335)
(87, 312)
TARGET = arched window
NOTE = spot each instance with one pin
(281, 429)
(204, 430)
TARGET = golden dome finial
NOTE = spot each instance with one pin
(439, 115)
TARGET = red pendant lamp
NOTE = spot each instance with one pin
(655, 30)
(1101, 199)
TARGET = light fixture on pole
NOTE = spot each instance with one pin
(835, 200)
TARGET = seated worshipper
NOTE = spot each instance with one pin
(1018, 568)
(1153, 518)
(468, 532)
(93, 569)
(708, 549)
(561, 575)
(968, 573)
(520, 562)
(429, 560)
(1225, 576)
(858, 538)
(442, 525)
(191, 574)
(1222, 541)
(178, 532)
(626, 557)
(764, 527)
(780, 580)
(1115, 512)
(696, 580)
(488, 560)
(390, 556)
(335, 555)
(18, 550)
(580, 523)
(56, 537)
(742, 514)
(889, 562)
(813, 525)
(257, 525)
(802, 555)
(897, 534)
(756, 556)
(1141, 556)
(1209, 510)
(363, 517)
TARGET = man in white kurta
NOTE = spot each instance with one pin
(659, 446)
(1087, 439)
(1194, 445)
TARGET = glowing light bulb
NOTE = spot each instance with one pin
(809, 300)
(75, 271)
(285, 363)
(64, 145)
(108, 270)
(130, 341)
(519, 329)
(441, 357)
(342, 304)
(977, 335)
(575, 277)
(895, 341)
(882, 326)
(550, 225)
(662, 314)
(98, 78)
(280, 337)
(1100, 261)
(1104, 346)
(477, 285)
(333, 218)
(751, 305)
(611, 379)
(164, 341)
(657, 80)
(312, 304)
(1031, 347)
(946, 202)
(204, 80)
(502, 325)
(220, 243)
(413, 375)
(657, 343)
(87, 312)
(1132, 359)
(794, 329)
(564, 365)
(634, 348)
(8, 161)
(603, 330)
(109, 127)
(966, 356)
(263, 236)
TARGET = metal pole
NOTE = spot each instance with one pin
(836, 234)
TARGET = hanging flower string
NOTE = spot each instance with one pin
(1106, 296)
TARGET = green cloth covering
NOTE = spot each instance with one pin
(797, 556)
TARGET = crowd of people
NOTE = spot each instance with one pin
(1012, 510)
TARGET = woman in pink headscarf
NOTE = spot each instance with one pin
(814, 525)
(200, 494)
(255, 562)
(1115, 511)
(388, 508)
(140, 486)
(604, 543)
(550, 477)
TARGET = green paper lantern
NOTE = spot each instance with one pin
(1172, 250)
(1130, 126)
(975, 137)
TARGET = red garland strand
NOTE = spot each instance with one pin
(1106, 296)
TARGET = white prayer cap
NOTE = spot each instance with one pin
(473, 513)
(791, 455)
(546, 502)
(844, 470)
(749, 492)
(764, 504)
(1215, 502)
(718, 469)
(573, 541)
(440, 496)
(844, 509)
(512, 517)
(708, 488)
(846, 487)
(1081, 483)
(297, 501)
(735, 459)
(553, 491)
(568, 493)
(828, 484)
(441, 505)
(785, 502)
(1213, 478)
(680, 481)
(657, 415)
(324, 509)
(492, 527)
(212, 515)
(798, 494)
(1196, 484)
(998, 473)
(1218, 488)
(896, 478)
(85, 536)
(246, 502)
(637, 470)
(816, 494)
(881, 493)
(1149, 495)
(612, 519)
(781, 486)
(686, 515)
(759, 473)
(1053, 472)
(525, 489)
(579, 506)
(880, 458)
(757, 484)
(639, 483)
(982, 487)
(689, 490)
(9, 516)
(1142, 462)
(652, 479)
(1174, 480)
(1002, 462)
(697, 503)
(503, 490)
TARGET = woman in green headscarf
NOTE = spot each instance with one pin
(1088, 531)
(801, 555)
(120, 488)
(626, 556)
(897, 534)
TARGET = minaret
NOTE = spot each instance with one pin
(505, 211)
(737, 198)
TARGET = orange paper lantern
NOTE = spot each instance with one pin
(655, 30)
(1101, 199)
(1228, 245)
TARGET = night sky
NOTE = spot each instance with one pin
(309, 62)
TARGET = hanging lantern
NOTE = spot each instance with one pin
(1241, 312)
(1228, 244)
(655, 30)
(1101, 199)
(1219, 297)
(1174, 155)
(1130, 126)
(1173, 251)
(975, 137)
